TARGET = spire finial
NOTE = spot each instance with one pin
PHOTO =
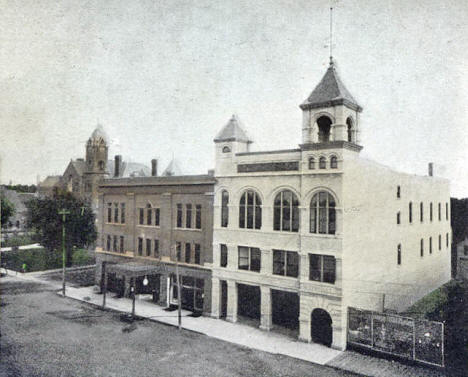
(331, 35)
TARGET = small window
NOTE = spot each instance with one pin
(430, 245)
(399, 254)
(447, 240)
(148, 247)
(349, 123)
(224, 208)
(398, 192)
(440, 212)
(440, 242)
(410, 212)
(430, 211)
(179, 251)
(116, 213)
(109, 212)
(198, 216)
(101, 165)
(197, 254)
(188, 251)
(311, 163)
(108, 245)
(285, 263)
(141, 216)
(188, 216)
(421, 211)
(122, 213)
(333, 162)
(149, 215)
(226, 149)
(322, 163)
(157, 213)
(179, 215)
(156, 248)
(446, 211)
(223, 256)
(140, 246)
(398, 218)
(422, 248)
(114, 244)
(122, 247)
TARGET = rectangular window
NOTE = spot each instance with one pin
(249, 258)
(197, 253)
(156, 248)
(108, 248)
(179, 251)
(198, 216)
(188, 216)
(157, 212)
(122, 247)
(149, 216)
(116, 213)
(422, 248)
(398, 218)
(148, 247)
(447, 239)
(109, 212)
(430, 211)
(440, 212)
(440, 242)
(140, 246)
(142, 216)
(122, 213)
(421, 211)
(187, 252)
(285, 263)
(410, 212)
(224, 255)
(322, 268)
(399, 255)
(446, 211)
(114, 244)
(179, 215)
(430, 245)
(398, 192)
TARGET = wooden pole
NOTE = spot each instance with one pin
(179, 301)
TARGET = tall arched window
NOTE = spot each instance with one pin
(323, 213)
(349, 123)
(322, 163)
(149, 212)
(324, 126)
(224, 208)
(333, 162)
(250, 210)
(311, 163)
(286, 212)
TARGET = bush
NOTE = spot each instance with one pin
(19, 241)
(81, 257)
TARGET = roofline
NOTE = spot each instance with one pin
(232, 139)
(179, 180)
(339, 101)
(330, 145)
(268, 152)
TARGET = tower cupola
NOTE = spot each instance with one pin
(330, 113)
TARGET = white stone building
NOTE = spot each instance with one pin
(302, 234)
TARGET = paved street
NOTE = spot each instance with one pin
(46, 335)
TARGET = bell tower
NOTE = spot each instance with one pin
(330, 113)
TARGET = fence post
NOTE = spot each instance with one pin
(443, 344)
(414, 339)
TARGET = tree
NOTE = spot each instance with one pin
(44, 219)
(7, 209)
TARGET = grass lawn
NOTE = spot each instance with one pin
(41, 259)
(18, 241)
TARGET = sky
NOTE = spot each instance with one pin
(163, 77)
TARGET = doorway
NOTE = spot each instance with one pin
(224, 293)
(321, 327)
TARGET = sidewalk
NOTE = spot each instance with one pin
(24, 247)
(230, 332)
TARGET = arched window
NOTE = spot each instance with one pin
(323, 213)
(333, 162)
(226, 149)
(224, 208)
(322, 163)
(250, 210)
(311, 163)
(324, 126)
(286, 212)
(349, 123)
(101, 165)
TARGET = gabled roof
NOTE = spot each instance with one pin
(50, 181)
(329, 92)
(79, 166)
(173, 169)
(128, 169)
(233, 131)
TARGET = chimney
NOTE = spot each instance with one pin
(117, 165)
(154, 167)
(211, 172)
(431, 169)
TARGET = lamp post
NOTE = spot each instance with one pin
(179, 298)
(64, 213)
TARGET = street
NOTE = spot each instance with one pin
(43, 334)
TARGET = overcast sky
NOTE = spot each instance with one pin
(164, 76)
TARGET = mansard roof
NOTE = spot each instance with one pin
(233, 131)
(330, 92)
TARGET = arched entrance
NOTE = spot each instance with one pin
(321, 327)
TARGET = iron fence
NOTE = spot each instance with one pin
(413, 339)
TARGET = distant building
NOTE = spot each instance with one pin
(17, 222)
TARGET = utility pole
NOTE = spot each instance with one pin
(179, 301)
(64, 213)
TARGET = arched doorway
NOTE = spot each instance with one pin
(321, 327)
(324, 127)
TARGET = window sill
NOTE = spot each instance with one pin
(188, 229)
(149, 226)
(115, 224)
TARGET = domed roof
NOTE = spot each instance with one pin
(99, 133)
